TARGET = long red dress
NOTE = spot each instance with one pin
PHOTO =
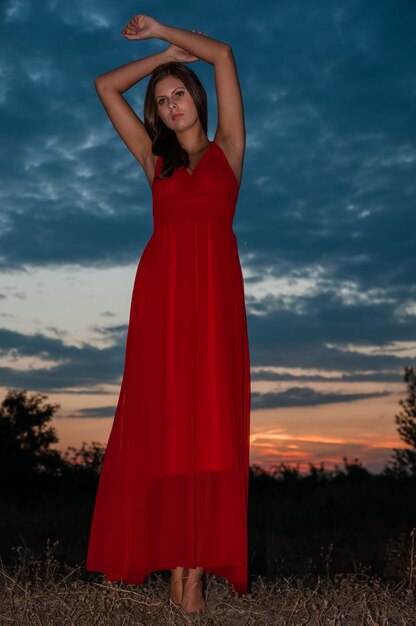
(173, 488)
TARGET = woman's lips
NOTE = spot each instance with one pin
(174, 117)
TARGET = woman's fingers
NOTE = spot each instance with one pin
(130, 29)
(133, 25)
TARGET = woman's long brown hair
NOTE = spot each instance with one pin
(164, 140)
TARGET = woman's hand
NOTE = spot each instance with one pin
(141, 27)
(181, 55)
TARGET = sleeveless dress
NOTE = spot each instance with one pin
(173, 488)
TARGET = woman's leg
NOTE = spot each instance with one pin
(192, 597)
(176, 584)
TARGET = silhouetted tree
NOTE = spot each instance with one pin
(25, 436)
(257, 470)
(318, 474)
(354, 470)
(404, 459)
(284, 472)
(88, 457)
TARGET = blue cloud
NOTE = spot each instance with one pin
(328, 184)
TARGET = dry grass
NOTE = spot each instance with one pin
(40, 591)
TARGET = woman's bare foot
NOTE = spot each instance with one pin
(176, 585)
(192, 598)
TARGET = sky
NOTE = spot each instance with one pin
(325, 219)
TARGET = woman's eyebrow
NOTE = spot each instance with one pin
(160, 95)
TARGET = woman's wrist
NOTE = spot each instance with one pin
(191, 42)
(167, 56)
(159, 31)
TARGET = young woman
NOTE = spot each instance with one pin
(173, 488)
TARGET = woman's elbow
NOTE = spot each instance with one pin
(99, 83)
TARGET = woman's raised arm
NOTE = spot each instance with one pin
(127, 123)
(185, 46)
(230, 133)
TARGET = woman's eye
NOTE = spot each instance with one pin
(161, 101)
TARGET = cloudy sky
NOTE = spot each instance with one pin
(325, 221)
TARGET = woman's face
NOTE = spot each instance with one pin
(172, 99)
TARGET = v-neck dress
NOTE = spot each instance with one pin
(173, 488)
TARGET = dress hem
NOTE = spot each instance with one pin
(140, 578)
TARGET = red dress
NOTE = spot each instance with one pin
(173, 487)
